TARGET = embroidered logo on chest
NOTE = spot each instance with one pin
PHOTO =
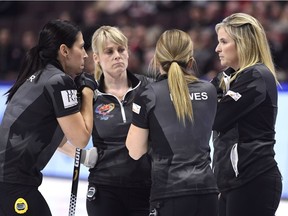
(235, 95)
(103, 111)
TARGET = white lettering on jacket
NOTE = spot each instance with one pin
(199, 96)
(69, 98)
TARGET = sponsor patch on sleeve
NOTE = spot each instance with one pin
(136, 108)
(69, 98)
(235, 95)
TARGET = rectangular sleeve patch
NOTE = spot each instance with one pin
(136, 108)
(69, 98)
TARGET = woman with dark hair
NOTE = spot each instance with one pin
(42, 109)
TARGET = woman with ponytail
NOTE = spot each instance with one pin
(42, 109)
(172, 121)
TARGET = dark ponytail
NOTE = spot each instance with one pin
(30, 64)
(53, 34)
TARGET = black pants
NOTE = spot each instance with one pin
(194, 205)
(117, 201)
(23, 200)
(260, 197)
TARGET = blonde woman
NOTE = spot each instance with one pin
(172, 121)
(247, 173)
(118, 185)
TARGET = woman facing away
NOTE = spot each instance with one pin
(42, 108)
(172, 121)
(247, 173)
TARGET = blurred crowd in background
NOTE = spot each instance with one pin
(142, 22)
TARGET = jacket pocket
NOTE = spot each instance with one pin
(234, 158)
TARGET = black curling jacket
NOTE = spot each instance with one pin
(29, 131)
(244, 128)
(180, 155)
(112, 119)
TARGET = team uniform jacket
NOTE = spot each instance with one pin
(244, 128)
(29, 132)
(180, 155)
(112, 119)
